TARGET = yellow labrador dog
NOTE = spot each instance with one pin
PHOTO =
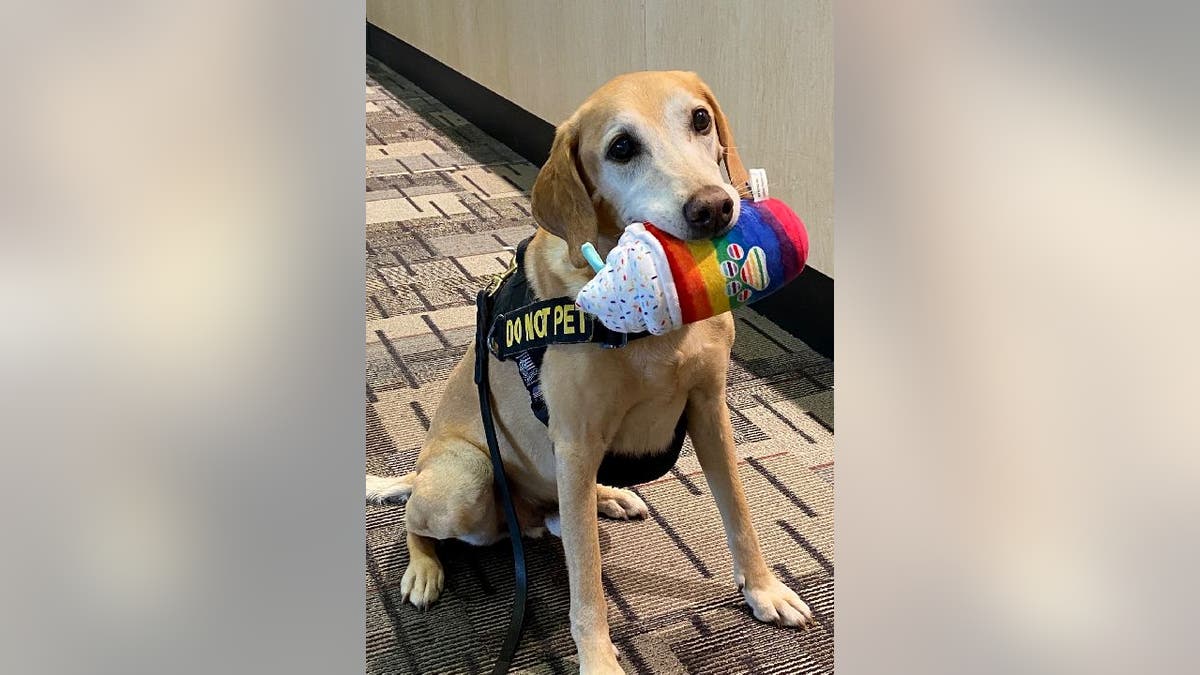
(646, 146)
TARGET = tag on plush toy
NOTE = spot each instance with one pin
(758, 184)
(653, 282)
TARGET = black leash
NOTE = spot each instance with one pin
(510, 322)
(517, 622)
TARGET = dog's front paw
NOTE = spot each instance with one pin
(600, 659)
(773, 602)
(613, 668)
(621, 504)
(422, 582)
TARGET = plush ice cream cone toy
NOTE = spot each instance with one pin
(653, 282)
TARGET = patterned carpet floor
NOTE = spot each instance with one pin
(443, 204)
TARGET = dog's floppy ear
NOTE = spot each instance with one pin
(733, 162)
(561, 203)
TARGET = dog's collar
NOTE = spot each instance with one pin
(521, 322)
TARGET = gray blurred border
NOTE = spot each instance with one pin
(1016, 248)
(181, 272)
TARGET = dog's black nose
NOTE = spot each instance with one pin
(708, 211)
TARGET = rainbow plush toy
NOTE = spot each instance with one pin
(653, 282)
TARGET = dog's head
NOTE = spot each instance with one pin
(645, 147)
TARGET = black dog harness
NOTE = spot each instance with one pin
(521, 329)
(512, 323)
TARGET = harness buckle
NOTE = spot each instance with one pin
(612, 339)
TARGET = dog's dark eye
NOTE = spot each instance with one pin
(701, 120)
(623, 148)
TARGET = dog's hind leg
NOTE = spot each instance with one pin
(616, 503)
(389, 489)
(619, 503)
(451, 498)
(422, 581)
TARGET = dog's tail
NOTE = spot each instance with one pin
(390, 489)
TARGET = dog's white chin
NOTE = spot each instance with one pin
(673, 229)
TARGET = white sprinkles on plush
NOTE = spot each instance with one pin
(634, 291)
